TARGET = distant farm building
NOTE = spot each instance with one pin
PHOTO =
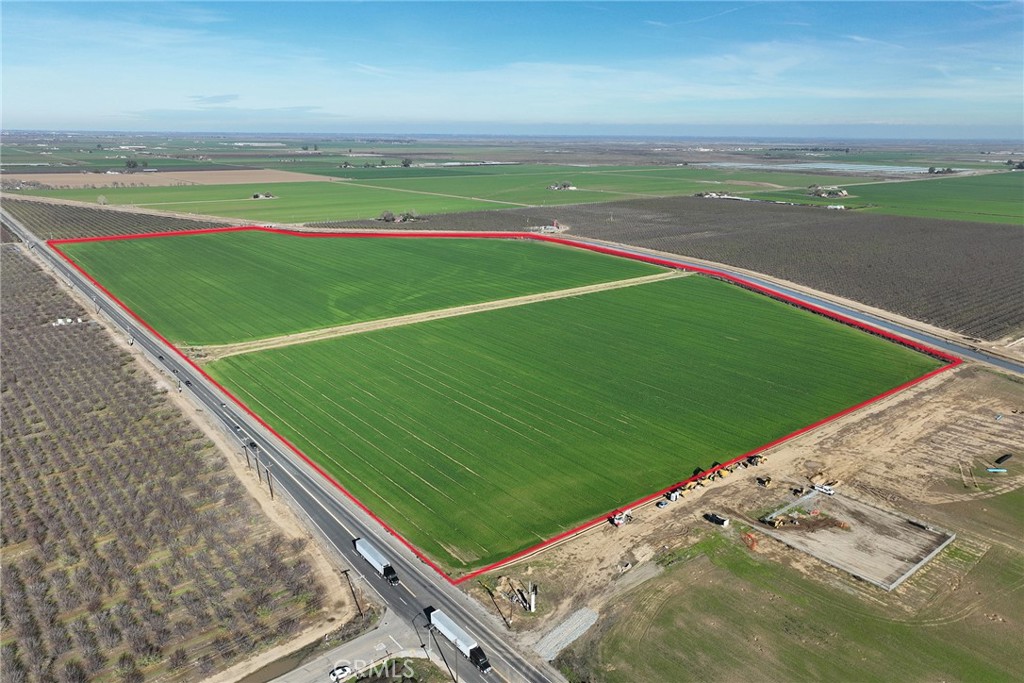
(830, 192)
(721, 195)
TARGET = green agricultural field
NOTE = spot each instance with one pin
(481, 435)
(292, 202)
(992, 197)
(750, 618)
(988, 198)
(19, 162)
(330, 167)
(529, 184)
(227, 287)
(367, 192)
(889, 157)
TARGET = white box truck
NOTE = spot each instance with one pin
(460, 639)
(376, 560)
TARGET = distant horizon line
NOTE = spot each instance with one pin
(519, 136)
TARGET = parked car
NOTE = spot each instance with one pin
(827, 490)
(340, 673)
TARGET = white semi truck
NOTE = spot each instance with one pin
(376, 560)
(460, 639)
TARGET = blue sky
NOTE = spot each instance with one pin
(804, 69)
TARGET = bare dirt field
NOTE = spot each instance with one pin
(870, 543)
(161, 178)
(902, 454)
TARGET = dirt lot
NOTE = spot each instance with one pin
(161, 178)
(903, 453)
(870, 543)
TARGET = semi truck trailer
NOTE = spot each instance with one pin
(376, 560)
(460, 639)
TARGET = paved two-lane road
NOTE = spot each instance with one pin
(334, 517)
(339, 521)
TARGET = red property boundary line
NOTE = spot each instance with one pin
(950, 360)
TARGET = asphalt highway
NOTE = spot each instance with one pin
(334, 517)
(965, 351)
(340, 521)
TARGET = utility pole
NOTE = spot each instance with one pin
(256, 456)
(453, 674)
(352, 588)
(270, 484)
(424, 642)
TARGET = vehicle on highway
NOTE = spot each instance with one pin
(376, 560)
(340, 673)
(459, 638)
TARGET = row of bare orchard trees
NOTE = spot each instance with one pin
(62, 221)
(7, 235)
(956, 275)
(129, 550)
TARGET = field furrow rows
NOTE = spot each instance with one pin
(212, 353)
(318, 453)
(475, 436)
(382, 436)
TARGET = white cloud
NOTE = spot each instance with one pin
(125, 69)
(206, 100)
(873, 41)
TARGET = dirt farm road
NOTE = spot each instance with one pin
(208, 354)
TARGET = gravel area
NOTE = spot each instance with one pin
(563, 635)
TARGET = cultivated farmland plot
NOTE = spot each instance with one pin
(129, 549)
(961, 276)
(61, 221)
(366, 193)
(229, 287)
(991, 198)
(481, 435)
